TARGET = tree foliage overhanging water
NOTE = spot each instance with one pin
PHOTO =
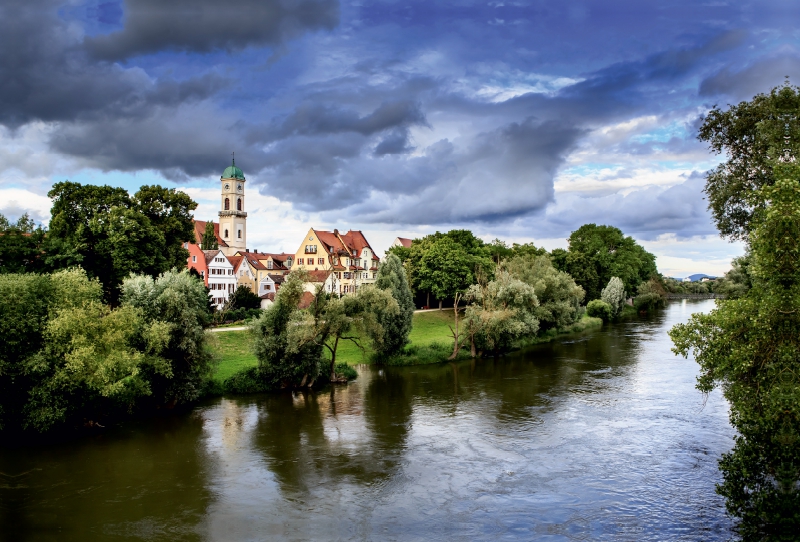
(749, 346)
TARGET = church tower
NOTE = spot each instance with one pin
(232, 218)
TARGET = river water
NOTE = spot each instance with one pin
(599, 436)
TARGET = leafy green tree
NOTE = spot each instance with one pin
(446, 269)
(748, 346)
(282, 363)
(21, 246)
(396, 326)
(614, 295)
(244, 298)
(111, 235)
(500, 311)
(732, 188)
(176, 302)
(170, 212)
(329, 320)
(209, 241)
(559, 297)
(597, 253)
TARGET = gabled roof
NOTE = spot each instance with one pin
(236, 261)
(211, 254)
(405, 242)
(330, 239)
(277, 279)
(200, 229)
(318, 276)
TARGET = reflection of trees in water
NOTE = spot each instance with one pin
(313, 438)
(149, 484)
(522, 383)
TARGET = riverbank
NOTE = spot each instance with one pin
(430, 342)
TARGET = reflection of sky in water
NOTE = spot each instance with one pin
(603, 437)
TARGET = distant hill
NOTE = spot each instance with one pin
(699, 276)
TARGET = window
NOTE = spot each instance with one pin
(194, 259)
(299, 261)
(321, 261)
(226, 233)
(239, 234)
(203, 274)
(186, 245)
(227, 204)
(239, 204)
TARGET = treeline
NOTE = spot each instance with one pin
(105, 231)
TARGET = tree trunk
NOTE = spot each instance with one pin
(428, 302)
(456, 341)
(333, 359)
(440, 304)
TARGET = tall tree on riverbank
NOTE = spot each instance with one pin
(750, 346)
(396, 326)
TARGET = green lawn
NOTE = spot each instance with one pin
(233, 350)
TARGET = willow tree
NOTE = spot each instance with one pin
(750, 346)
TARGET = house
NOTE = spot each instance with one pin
(402, 242)
(216, 270)
(327, 280)
(349, 256)
(200, 230)
(220, 278)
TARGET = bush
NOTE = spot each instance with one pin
(650, 296)
(248, 380)
(598, 308)
(344, 370)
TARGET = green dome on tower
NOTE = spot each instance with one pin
(233, 172)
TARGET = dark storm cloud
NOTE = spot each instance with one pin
(756, 78)
(206, 25)
(45, 75)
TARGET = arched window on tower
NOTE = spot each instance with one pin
(239, 204)
(227, 204)
(226, 234)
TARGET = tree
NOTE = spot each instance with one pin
(597, 308)
(597, 253)
(559, 297)
(170, 212)
(244, 298)
(177, 302)
(396, 326)
(734, 186)
(111, 235)
(445, 269)
(737, 281)
(614, 295)
(283, 363)
(500, 311)
(209, 241)
(748, 346)
(21, 245)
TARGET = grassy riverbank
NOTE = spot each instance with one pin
(431, 342)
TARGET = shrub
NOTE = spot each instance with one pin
(614, 295)
(600, 309)
(650, 296)
(247, 380)
(344, 370)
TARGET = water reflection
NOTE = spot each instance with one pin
(595, 437)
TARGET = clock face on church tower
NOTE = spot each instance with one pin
(227, 187)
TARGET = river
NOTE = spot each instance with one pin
(600, 436)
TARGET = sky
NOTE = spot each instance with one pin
(519, 120)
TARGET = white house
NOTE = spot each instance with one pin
(221, 277)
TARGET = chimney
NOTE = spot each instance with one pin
(335, 231)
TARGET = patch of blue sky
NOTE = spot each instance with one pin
(664, 133)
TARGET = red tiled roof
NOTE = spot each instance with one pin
(405, 242)
(200, 229)
(318, 276)
(236, 261)
(305, 300)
